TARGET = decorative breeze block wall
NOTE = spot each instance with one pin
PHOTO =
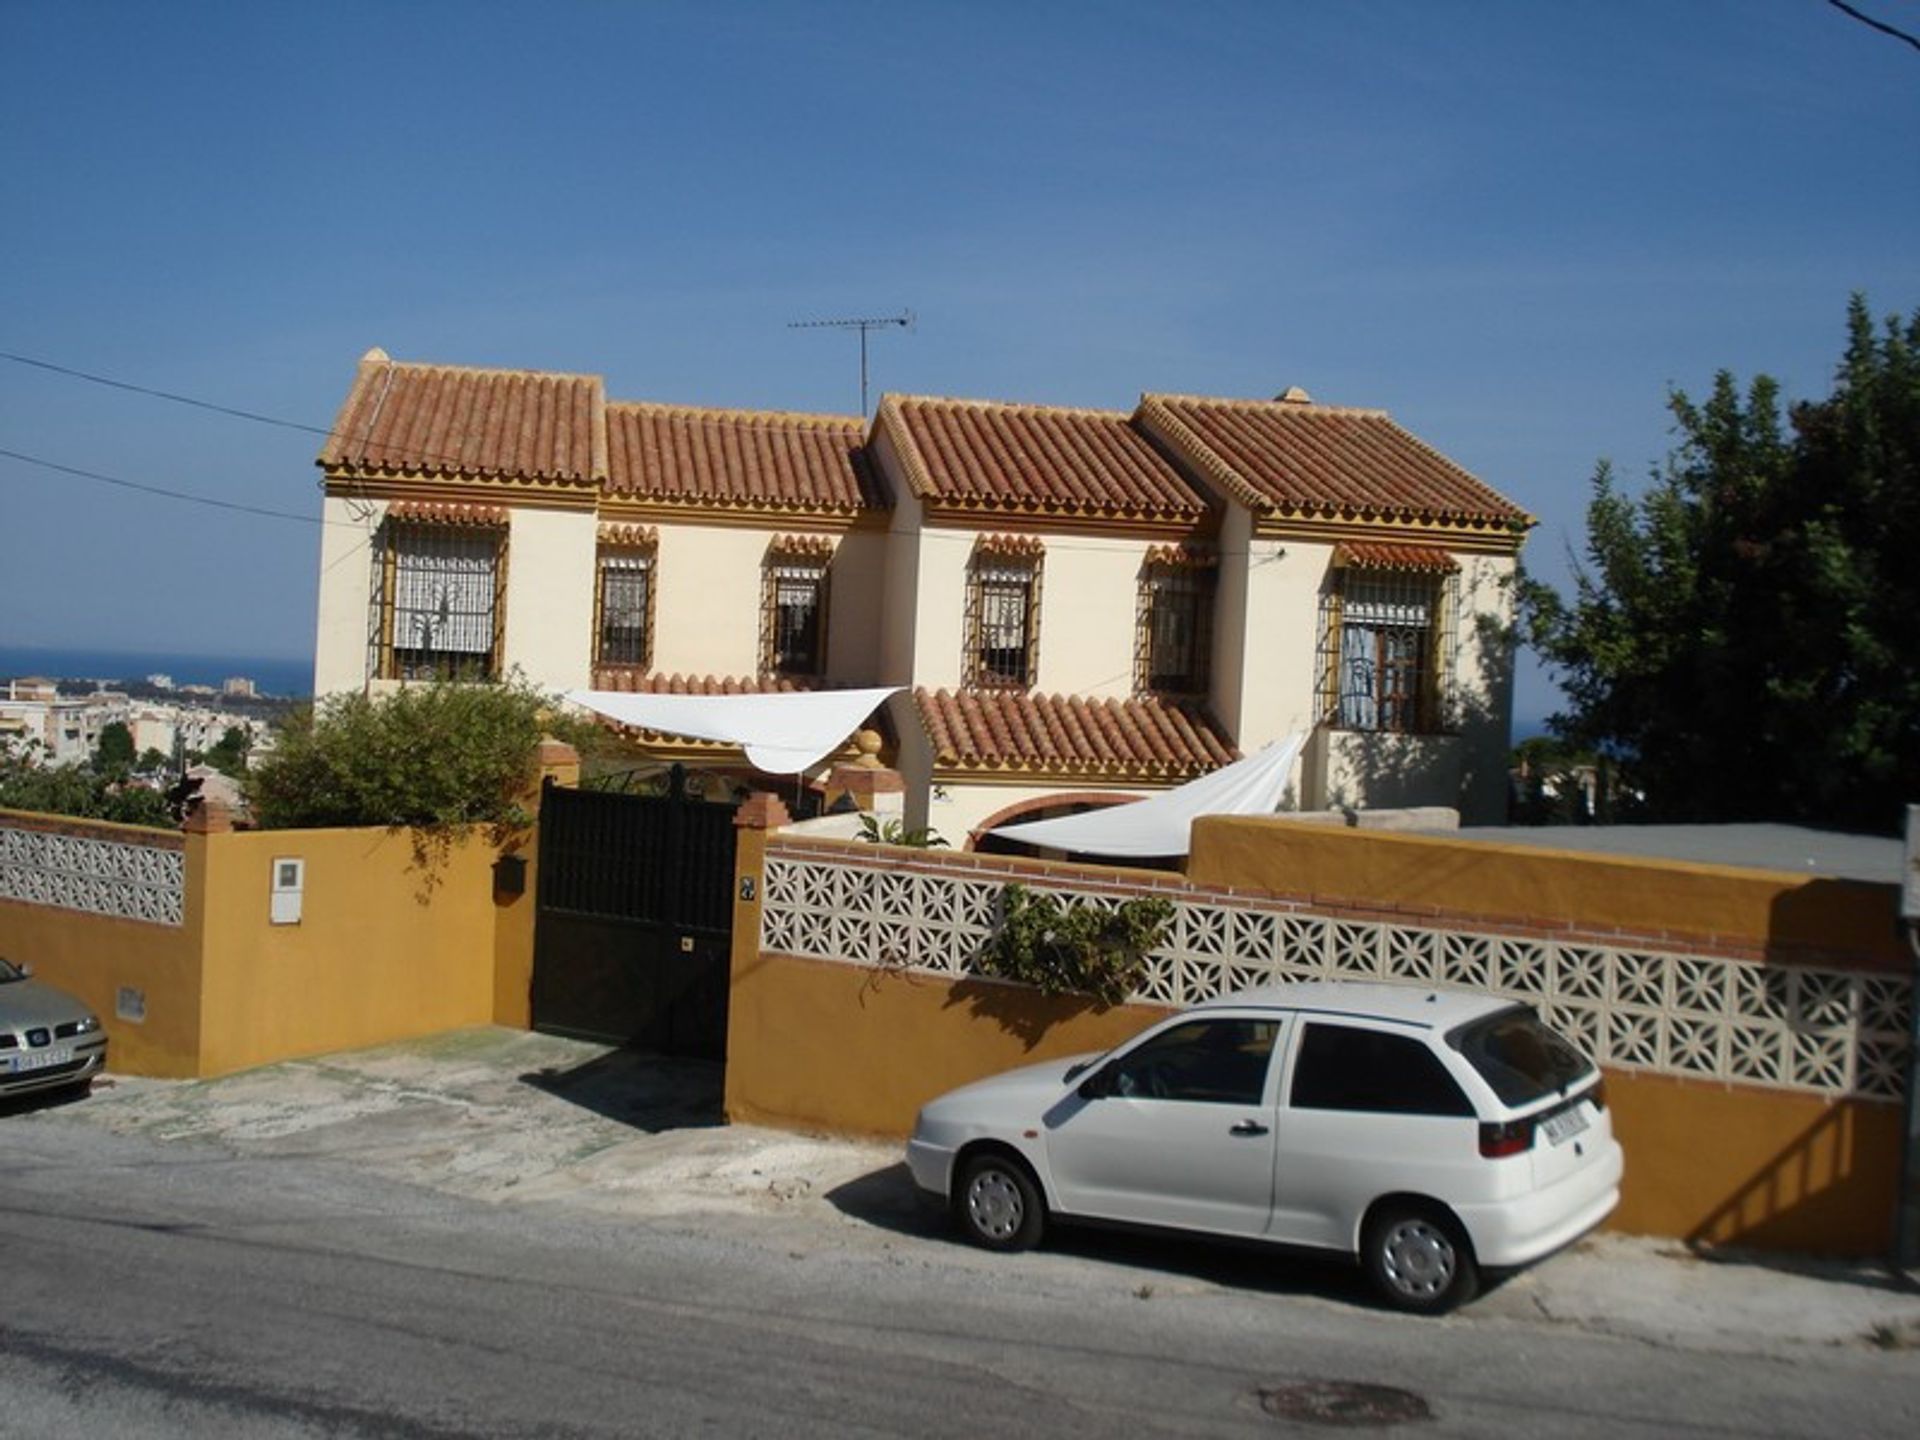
(1834, 1032)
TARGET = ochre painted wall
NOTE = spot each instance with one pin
(384, 949)
(844, 1048)
(1738, 1165)
(819, 1043)
(1786, 916)
(94, 956)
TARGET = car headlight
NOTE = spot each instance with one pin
(87, 1026)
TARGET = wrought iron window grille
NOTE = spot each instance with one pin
(1173, 630)
(623, 610)
(1386, 649)
(439, 602)
(1003, 622)
(793, 618)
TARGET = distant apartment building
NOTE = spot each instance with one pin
(238, 687)
(61, 729)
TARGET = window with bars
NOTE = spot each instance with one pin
(623, 610)
(440, 603)
(1173, 630)
(793, 617)
(1003, 623)
(1385, 648)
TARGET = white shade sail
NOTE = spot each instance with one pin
(782, 734)
(1162, 824)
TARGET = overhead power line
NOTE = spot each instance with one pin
(161, 490)
(1873, 24)
(162, 394)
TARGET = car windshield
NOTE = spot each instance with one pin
(1521, 1058)
(9, 971)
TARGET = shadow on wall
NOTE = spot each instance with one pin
(1018, 1010)
(1391, 769)
(1816, 1189)
(1827, 915)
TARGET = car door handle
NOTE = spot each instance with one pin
(1248, 1127)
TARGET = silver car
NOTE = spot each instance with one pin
(48, 1039)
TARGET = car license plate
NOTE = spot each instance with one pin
(42, 1060)
(1565, 1125)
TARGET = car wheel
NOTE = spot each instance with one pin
(1419, 1259)
(997, 1204)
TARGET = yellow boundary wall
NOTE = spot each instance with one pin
(835, 1046)
(389, 945)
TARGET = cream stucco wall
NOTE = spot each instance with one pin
(708, 597)
(856, 608)
(1284, 580)
(346, 579)
(550, 579)
(1089, 592)
(940, 608)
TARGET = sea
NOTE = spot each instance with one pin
(281, 675)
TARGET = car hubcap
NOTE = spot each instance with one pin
(993, 1200)
(1419, 1258)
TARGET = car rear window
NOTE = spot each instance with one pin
(1521, 1057)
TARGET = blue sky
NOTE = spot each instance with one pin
(1513, 225)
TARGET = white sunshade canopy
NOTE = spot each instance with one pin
(782, 734)
(1162, 824)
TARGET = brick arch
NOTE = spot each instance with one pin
(1048, 802)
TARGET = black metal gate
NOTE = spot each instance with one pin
(633, 932)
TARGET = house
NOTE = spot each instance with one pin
(1079, 605)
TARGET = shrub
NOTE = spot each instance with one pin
(433, 757)
(1062, 948)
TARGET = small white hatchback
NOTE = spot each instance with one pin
(1429, 1133)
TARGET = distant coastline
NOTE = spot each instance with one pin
(272, 675)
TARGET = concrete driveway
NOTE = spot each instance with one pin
(515, 1118)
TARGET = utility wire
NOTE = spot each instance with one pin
(163, 394)
(161, 490)
(1873, 24)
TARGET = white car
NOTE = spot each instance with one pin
(1429, 1133)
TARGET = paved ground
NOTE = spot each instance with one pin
(513, 1119)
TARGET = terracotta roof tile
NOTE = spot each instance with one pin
(1070, 734)
(973, 454)
(1369, 556)
(808, 547)
(452, 420)
(740, 457)
(629, 537)
(446, 512)
(1294, 455)
(641, 682)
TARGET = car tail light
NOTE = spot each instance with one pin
(1598, 1095)
(1499, 1140)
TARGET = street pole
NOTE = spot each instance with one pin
(1907, 1238)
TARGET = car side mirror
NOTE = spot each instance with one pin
(1096, 1086)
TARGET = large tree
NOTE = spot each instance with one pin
(1743, 640)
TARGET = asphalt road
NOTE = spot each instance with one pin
(161, 1289)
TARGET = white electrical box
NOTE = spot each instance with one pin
(289, 881)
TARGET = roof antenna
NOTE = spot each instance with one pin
(904, 320)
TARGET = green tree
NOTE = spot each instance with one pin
(79, 791)
(229, 755)
(434, 757)
(114, 752)
(152, 761)
(1741, 641)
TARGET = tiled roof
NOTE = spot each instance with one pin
(452, 420)
(740, 457)
(629, 537)
(1070, 734)
(973, 454)
(1293, 455)
(646, 683)
(446, 512)
(1369, 556)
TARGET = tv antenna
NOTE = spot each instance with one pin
(904, 320)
